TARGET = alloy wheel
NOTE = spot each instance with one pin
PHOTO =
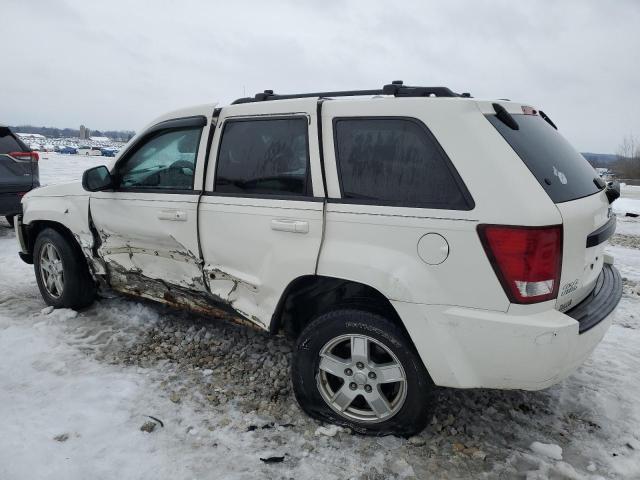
(361, 379)
(51, 270)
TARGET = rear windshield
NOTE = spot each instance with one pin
(8, 143)
(563, 173)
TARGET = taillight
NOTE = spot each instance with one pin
(527, 260)
(33, 156)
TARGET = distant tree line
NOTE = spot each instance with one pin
(627, 164)
(73, 132)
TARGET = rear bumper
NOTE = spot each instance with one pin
(467, 348)
(602, 300)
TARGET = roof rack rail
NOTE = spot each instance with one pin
(395, 88)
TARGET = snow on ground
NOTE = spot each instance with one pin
(76, 387)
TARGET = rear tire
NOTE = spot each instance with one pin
(384, 391)
(10, 220)
(61, 272)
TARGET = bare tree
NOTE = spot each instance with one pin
(628, 163)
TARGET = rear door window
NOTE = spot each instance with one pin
(264, 156)
(563, 173)
(395, 161)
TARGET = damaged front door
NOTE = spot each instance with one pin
(148, 224)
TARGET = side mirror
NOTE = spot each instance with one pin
(97, 179)
(613, 191)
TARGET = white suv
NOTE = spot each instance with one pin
(406, 237)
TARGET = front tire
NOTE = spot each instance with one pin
(357, 369)
(61, 272)
(10, 220)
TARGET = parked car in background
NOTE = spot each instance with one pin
(87, 150)
(109, 151)
(68, 150)
(18, 173)
(368, 229)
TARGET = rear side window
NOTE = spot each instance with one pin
(563, 173)
(8, 143)
(266, 156)
(396, 161)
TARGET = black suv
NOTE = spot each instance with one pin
(18, 173)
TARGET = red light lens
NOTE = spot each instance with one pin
(33, 156)
(527, 260)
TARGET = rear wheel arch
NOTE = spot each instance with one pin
(310, 296)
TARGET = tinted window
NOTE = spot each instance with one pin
(165, 161)
(396, 162)
(563, 173)
(264, 156)
(8, 143)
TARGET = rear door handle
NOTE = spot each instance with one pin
(173, 215)
(294, 226)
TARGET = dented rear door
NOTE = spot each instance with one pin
(262, 212)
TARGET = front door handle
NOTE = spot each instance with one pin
(173, 215)
(294, 226)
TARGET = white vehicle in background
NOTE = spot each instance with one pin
(405, 237)
(87, 150)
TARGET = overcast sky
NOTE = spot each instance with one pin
(118, 64)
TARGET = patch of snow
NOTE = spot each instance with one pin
(547, 449)
(329, 431)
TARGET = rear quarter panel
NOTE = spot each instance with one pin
(377, 245)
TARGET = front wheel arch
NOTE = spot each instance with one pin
(79, 286)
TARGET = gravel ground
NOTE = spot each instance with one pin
(218, 365)
(628, 241)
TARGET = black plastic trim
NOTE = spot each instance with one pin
(26, 257)
(196, 121)
(212, 130)
(449, 164)
(156, 190)
(265, 196)
(321, 147)
(602, 300)
(547, 119)
(395, 88)
(603, 233)
(505, 117)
